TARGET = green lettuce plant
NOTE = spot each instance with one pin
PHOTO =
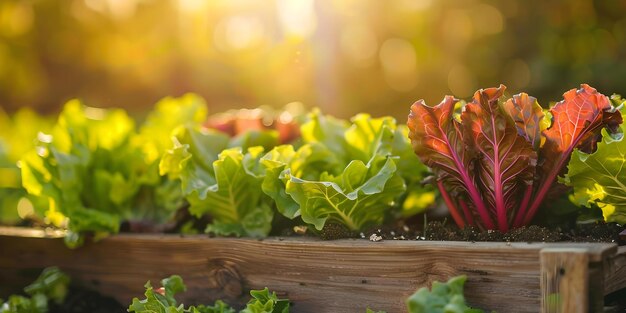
(96, 170)
(221, 176)
(347, 173)
(599, 178)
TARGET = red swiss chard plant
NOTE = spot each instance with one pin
(495, 160)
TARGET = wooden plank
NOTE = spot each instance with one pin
(564, 280)
(318, 276)
(615, 271)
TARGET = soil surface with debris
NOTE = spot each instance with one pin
(438, 231)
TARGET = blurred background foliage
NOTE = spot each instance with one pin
(344, 56)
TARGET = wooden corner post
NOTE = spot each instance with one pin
(565, 280)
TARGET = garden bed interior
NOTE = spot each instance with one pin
(345, 275)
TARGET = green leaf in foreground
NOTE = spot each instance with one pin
(600, 178)
(51, 285)
(443, 298)
(162, 301)
(264, 301)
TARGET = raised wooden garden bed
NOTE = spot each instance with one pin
(326, 276)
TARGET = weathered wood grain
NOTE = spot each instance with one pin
(318, 276)
(615, 273)
(564, 280)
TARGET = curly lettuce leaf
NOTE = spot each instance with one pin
(169, 113)
(600, 178)
(218, 307)
(267, 139)
(86, 168)
(345, 173)
(419, 196)
(161, 300)
(356, 198)
(282, 162)
(236, 201)
(443, 298)
(191, 158)
(220, 180)
(264, 301)
(223, 183)
(327, 131)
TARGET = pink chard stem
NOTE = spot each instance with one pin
(521, 213)
(467, 213)
(454, 211)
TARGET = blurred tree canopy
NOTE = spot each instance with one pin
(344, 56)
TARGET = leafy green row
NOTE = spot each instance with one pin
(50, 286)
(97, 170)
(443, 298)
(162, 301)
(348, 173)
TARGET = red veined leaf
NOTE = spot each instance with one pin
(576, 121)
(437, 139)
(506, 160)
(528, 117)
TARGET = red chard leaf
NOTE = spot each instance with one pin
(576, 122)
(496, 161)
(506, 162)
(437, 139)
(528, 116)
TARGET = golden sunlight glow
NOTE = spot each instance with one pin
(297, 17)
(239, 32)
(399, 62)
(344, 56)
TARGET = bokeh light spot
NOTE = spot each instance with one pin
(297, 17)
(399, 63)
(359, 43)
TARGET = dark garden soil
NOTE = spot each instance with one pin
(440, 231)
(81, 300)
(437, 230)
